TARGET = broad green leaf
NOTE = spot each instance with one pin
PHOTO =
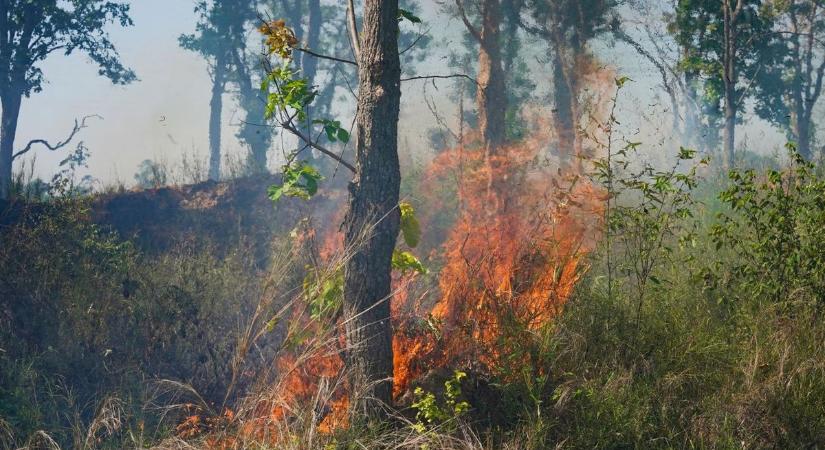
(404, 14)
(410, 228)
(406, 261)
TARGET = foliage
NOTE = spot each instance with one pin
(298, 180)
(85, 316)
(410, 228)
(279, 38)
(773, 231)
(150, 174)
(36, 29)
(429, 410)
(407, 262)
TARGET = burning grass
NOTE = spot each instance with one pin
(509, 262)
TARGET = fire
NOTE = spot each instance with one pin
(511, 259)
(507, 263)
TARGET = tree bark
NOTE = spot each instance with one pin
(566, 105)
(491, 96)
(729, 78)
(10, 102)
(253, 132)
(730, 124)
(372, 222)
(215, 111)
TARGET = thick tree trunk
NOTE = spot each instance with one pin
(372, 222)
(215, 111)
(803, 135)
(491, 96)
(8, 130)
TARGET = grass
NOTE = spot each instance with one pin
(707, 363)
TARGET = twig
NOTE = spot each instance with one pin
(60, 144)
(322, 56)
(353, 30)
(289, 127)
(440, 77)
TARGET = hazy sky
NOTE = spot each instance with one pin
(166, 113)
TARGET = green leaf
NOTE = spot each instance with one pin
(406, 261)
(299, 181)
(404, 14)
(620, 82)
(333, 130)
(410, 228)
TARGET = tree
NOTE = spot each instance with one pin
(372, 222)
(789, 100)
(491, 94)
(220, 36)
(731, 44)
(32, 30)
(567, 27)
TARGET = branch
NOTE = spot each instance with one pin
(289, 127)
(415, 42)
(322, 56)
(353, 30)
(60, 144)
(466, 21)
(440, 77)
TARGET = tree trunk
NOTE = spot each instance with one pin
(372, 222)
(730, 124)
(253, 132)
(309, 63)
(729, 79)
(565, 111)
(215, 110)
(492, 96)
(8, 130)
(803, 135)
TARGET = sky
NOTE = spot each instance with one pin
(165, 114)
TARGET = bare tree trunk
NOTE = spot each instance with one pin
(563, 106)
(309, 63)
(372, 222)
(730, 125)
(253, 132)
(8, 130)
(729, 78)
(492, 95)
(215, 110)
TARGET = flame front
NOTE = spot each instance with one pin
(510, 260)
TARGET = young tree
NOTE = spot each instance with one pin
(32, 30)
(372, 222)
(220, 33)
(731, 43)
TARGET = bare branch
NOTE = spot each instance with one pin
(322, 56)
(440, 77)
(415, 42)
(353, 30)
(466, 21)
(60, 144)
